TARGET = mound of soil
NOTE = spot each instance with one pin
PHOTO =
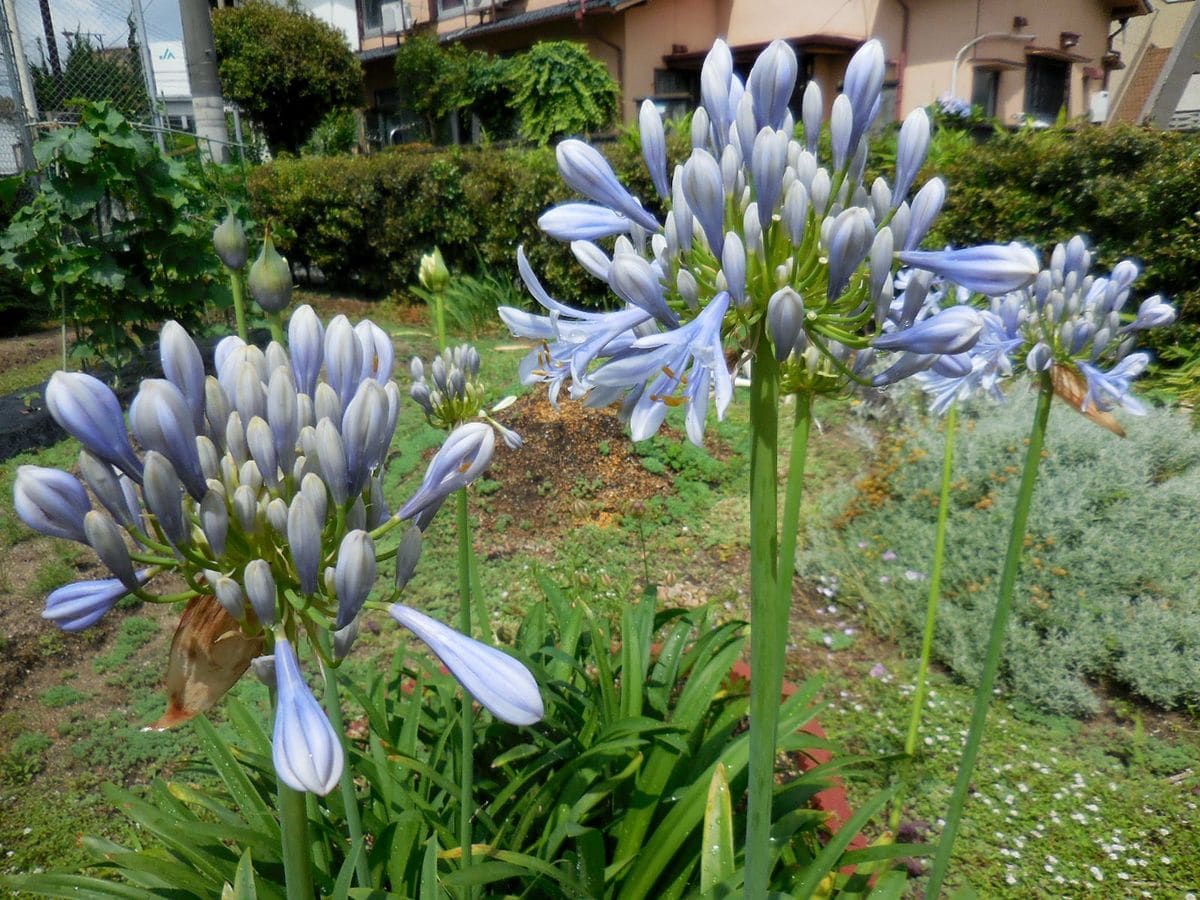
(577, 466)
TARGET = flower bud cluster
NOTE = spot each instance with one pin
(256, 484)
(797, 244)
(262, 487)
(455, 394)
(1076, 322)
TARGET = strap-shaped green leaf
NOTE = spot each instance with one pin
(827, 859)
(241, 790)
(717, 847)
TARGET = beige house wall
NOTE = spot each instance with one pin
(1141, 44)
(634, 41)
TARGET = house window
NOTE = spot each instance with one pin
(676, 91)
(372, 15)
(1046, 87)
(985, 85)
(446, 7)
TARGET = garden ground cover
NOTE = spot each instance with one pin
(601, 517)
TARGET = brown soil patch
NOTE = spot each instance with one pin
(329, 305)
(29, 348)
(577, 466)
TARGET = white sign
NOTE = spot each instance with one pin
(170, 69)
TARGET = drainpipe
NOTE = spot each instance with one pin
(902, 61)
(616, 48)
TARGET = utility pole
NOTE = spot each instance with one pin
(208, 109)
(51, 43)
(20, 63)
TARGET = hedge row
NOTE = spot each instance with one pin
(1133, 191)
(365, 221)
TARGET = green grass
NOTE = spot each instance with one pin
(1053, 797)
(62, 695)
(23, 378)
(24, 758)
(135, 632)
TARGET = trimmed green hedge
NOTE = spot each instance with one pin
(1134, 191)
(365, 221)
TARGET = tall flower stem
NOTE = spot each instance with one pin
(467, 774)
(935, 591)
(297, 862)
(333, 707)
(239, 302)
(789, 532)
(275, 323)
(439, 317)
(767, 639)
(991, 665)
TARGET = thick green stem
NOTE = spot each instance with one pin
(333, 707)
(239, 302)
(480, 611)
(275, 323)
(297, 861)
(935, 591)
(439, 317)
(789, 532)
(991, 665)
(768, 640)
(467, 776)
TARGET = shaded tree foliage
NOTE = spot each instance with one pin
(285, 68)
(440, 81)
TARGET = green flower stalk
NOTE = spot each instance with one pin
(435, 278)
(229, 240)
(767, 255)
(451, 398)
(1065, 326)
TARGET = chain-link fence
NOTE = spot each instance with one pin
(14, 135)
(55, 53)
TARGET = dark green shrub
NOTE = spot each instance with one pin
(365, 221)
(20, 311)
(1133, 191)
(560, 90)
(285, 67)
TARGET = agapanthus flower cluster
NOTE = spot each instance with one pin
(1075, 322)
(759, 232)
(1069, 323)
(456, 395)
(261, 487)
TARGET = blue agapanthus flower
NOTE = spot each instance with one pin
(762, 241)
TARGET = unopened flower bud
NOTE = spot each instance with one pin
(105, 538)
(270, 278)
(229, 240)
(432, 273)
(229, 594)
(214, 521)
(354, 575)
(260, 590)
